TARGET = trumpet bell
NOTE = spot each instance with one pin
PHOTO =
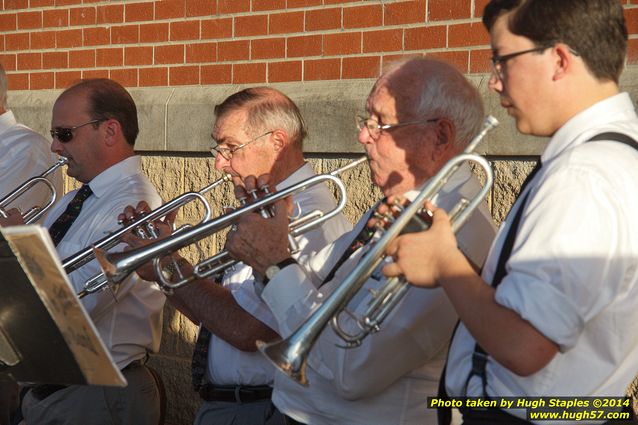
(287, 357)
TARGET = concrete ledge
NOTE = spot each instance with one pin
(180, 119)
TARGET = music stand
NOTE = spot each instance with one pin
(46, 335)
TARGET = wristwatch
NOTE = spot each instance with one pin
(271, 271)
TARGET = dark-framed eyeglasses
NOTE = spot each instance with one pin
(498, 61)
(375, 129)
(65, 134)
(227, 153)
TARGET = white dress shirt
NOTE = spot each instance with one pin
(573, 269)
(25, 154)
(226, 364)
(131, 324)
(388, 378)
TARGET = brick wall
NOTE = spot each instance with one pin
(47, 44)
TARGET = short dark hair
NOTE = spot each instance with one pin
(109, 100)
(594, 28)
(266, 109)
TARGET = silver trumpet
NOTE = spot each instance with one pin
(291, 354)
(143, 227)
(35, 212)
(117, 266)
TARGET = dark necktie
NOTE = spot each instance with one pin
(59, 228)
(200, 358)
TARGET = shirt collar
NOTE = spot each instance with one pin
(302, 173)
(7, 120)
(104, 181)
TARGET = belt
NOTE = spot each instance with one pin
(235, 393)
(45, 390)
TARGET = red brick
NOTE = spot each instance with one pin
(67, 2)
(459, 59)
(41, 80)
(305, 45)
(361, 67)
(631, 18)
(322, 69)
(153, 33)
(169, 54)
(339, 1)
(284, 71)
(251, 25)
(126, 77)
(96, 36)
(217, 28)
(153, 77)
(81, 58)
(110, 14)
(55, 18)
(448, 9)
(465, 35)
(386, 60)
(18, 81)
(95, 73)
(8, 62)
(64, 79)
(232, 6)
(83, 16)
(383, 41)
(216, 74)
(268, 5)
(632, 52)
(268, 48)
(183, 75)
(167, 9)
(2, 36)
(249, 73)
(480, 61)
(323, 19)
(29, 61)
(285, 23)
(200, 8)
(201, 52)
(138, 12)
(363, 16)
(137, 55)
(302, 3)
(125, 34)
(430, 37)
(479, 7)
(18, 41)
(342, 43)
(109, 57)
(406, 12)
(55, 60)
(233, 50)
(41, 3)
(43, 40)
(8, 22)
(29, 20)
(186, 30)
(68, 38)
(16, 4)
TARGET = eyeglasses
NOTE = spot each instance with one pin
(65, 135)
(375, 129)
(227, 153)
(498, 61)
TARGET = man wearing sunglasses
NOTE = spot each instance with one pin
(94, 125)
(23, 154)
(555, 310)
(420, 113)
(257, 131)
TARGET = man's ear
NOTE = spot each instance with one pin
(280, 140)
(113, 130)
(445, 136)
(563, 60)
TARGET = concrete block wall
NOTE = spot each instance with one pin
(181, 57)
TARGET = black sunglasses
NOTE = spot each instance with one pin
(65, 135)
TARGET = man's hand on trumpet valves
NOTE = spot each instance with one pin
(255, 240)
(425, 258)
(13, 218)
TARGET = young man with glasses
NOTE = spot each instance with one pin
(421, 113)
(555, 310)
(257, 131)
(94, 125)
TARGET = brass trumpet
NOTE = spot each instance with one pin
(142, 227)
(291, 354)
(35, 212)
(118, 266)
